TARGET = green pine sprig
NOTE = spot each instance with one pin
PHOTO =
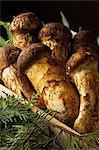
(98, 40)
(6, 25)
(9, 40)
(22, 129)
(64, 20)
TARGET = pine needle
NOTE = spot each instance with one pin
(98, 40)
(22, 129)
(64, 20)
(6, 25)
(9, 40)
(2, 41)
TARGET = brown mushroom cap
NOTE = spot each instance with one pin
(8, 55)
(78, 59)
(55, 31)
(85, 38)
(30, 54)
(25, 22)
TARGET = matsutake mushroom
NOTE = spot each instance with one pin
(82, 69)
(24, 28)
(49, 80)
(85, 40)
(57, 37)
(12, 78)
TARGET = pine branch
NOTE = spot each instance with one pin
(28, 131)
(24, 129)
(83, 138)
(56, 123)
(6, 25)
(4, 42)
(28, 135)
(64, 20)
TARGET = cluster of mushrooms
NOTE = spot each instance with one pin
(39, 61)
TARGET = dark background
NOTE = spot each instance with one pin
(78, 13)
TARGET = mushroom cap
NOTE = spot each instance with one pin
(32, 53)
(85, 38)
(25, 22)
(8, 55)
(55, 30)
(78, 59)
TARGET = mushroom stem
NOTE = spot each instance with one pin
(48, 79)
(23, 40)
(82, 68)
(85, 82)
(10, 76)
(17, 82)
(85, 77)
(56, 36)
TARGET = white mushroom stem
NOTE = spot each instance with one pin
(17, 82)
(23, 40)
(59, 50)
(57, 93)
(85, 77)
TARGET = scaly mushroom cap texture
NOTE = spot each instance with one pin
(8, 55)
(9, 74)
(86, 40)
(31, 54)
(55, 31)
(57, 37)
(25, 22)
(77, 59)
